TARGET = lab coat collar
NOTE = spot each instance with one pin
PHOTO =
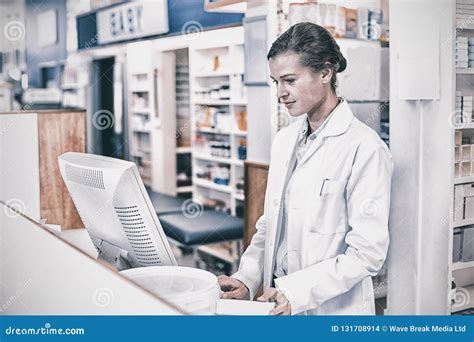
(339, 121)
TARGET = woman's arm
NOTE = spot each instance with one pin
(251, 263)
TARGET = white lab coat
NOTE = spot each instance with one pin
(337, 221)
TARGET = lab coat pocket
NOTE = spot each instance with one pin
(330, 212)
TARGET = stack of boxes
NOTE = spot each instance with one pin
(463, 109)
(464, 13)
(462, 52)
(470, 49)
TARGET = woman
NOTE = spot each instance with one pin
(324, 231)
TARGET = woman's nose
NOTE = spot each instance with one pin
(281, 91)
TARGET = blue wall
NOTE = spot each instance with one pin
(35, 54)
(179, 13)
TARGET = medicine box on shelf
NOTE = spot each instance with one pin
(463, 202)
(468, 244)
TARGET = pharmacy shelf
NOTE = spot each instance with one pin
(212, 131)
(463, 180)
(184, 189)
(205, 102)
(462, 265)
(463, 223)
(212, 74)
(141, 130)
(210, 185)
(222, 160)
(239, 197)
(464, 71)
(183, 150)
(240, 133)
(467, 126)
(141, 110)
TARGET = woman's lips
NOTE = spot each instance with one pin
(289, 104)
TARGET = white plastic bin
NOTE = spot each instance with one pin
(193, 290)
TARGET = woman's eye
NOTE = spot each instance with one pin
(290, 81)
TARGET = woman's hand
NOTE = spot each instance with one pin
(282, 307)
(232, 288)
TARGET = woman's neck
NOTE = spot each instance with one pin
(317, 117)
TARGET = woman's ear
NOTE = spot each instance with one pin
(326, 75)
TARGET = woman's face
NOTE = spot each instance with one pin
(301, 89)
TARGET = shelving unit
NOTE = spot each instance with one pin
(142, 115)
(462, 272)
(218, 114)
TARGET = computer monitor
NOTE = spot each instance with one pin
(116, 210)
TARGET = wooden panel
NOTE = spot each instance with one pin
(255, 186)
(59, 133)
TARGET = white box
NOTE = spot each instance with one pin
(468, 244)
(458, 203)
(466, 152)
(457, 170)
(458, 138)
(468, 205)
(465, 168)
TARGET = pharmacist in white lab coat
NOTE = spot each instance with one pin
(324, 231)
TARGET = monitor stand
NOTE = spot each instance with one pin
(114, 256)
